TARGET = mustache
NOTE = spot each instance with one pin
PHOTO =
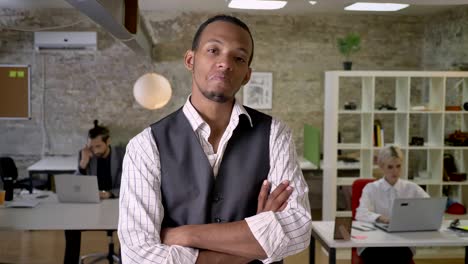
(219, 75)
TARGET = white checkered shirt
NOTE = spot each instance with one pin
(141, 212)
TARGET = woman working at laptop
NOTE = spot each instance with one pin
(376, 204)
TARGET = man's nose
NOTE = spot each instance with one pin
(225, 63)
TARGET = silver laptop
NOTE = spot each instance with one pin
(415, 214)
(77, 188)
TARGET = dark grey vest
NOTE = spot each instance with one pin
(190, 192)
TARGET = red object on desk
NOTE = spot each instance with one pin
(456, 208)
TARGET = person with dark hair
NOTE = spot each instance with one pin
(196, 184)
(99, 159)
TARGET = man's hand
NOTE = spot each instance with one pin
(277, 200)
(105, 194)
(86, 155)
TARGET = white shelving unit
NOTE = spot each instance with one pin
(404, 90)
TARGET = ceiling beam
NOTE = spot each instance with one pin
(121, 18)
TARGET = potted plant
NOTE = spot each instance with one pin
(348, 45)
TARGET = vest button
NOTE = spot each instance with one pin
(218, 220)
(216, 199)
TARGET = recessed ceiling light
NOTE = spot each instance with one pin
(312, 2)
(383, 7)
(256, 4)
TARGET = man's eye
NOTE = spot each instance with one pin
(240, 59)
(211, 50)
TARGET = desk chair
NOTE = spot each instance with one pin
(356, 192)
(8, 169)
(357, 187)
(110, 255)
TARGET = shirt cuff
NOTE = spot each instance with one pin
(269, 233)
(179, 254)
(376, 216)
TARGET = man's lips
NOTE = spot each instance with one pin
(219, 77)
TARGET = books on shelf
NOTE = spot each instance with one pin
(378, 134)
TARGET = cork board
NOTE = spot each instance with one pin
(15, 91)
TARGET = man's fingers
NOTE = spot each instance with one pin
(263, 196)
(283, 206)
(279, 189)
(277, 202)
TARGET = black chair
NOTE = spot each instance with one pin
(111, 256)
(9, 173)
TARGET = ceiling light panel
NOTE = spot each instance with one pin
(379, 7)
(256, 4)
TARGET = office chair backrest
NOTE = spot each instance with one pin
(8, 168)
(356, 192)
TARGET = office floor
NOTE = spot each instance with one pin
(46, 247)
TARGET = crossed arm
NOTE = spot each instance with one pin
(229, 242)
(279, 229)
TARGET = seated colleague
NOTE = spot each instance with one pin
(195, 185)
(97, 158)
(376, 204)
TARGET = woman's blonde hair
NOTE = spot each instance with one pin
(389, 152)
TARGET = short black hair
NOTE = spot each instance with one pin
(98, 130)
(224, 18)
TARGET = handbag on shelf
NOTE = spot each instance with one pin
(450, 169)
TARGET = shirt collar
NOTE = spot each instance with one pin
(386, 186)
(196, 121)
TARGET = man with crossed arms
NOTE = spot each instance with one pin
(195, 185)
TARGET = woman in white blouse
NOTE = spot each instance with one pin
(376, 203)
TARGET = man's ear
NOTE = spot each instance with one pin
(188, 59)
(247, 77)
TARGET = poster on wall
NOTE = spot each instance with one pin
(258, 91)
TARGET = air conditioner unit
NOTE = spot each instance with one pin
(55, 40)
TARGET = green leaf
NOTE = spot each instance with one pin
(350, 44)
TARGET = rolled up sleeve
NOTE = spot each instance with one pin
(285, 233)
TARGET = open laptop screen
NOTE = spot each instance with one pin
(416, 214)
(77, 188)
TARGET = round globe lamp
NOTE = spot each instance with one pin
(152, 91)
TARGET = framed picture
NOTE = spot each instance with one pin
(342, 229)
(258, 91)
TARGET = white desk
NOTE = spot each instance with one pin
(49, 214)
(323, 232)
(341, 165)
(53, 165)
